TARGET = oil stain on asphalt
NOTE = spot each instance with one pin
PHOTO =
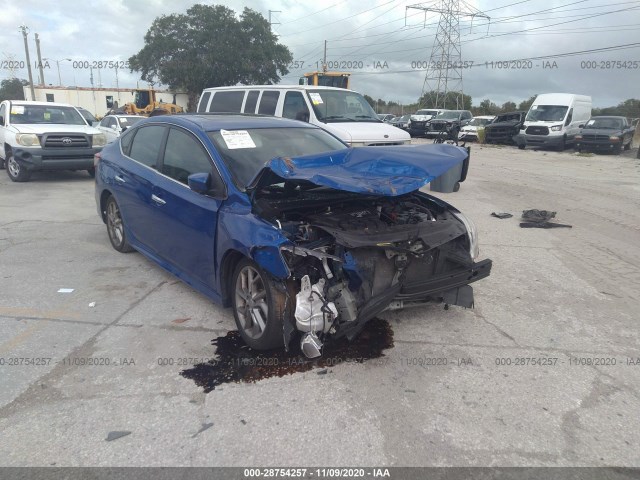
(236, 362)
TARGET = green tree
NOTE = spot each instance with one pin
(370, 100)
(12, 89)
(487, 107)
(508, 107)
(209, 47)
(525, 104)
(450, 101)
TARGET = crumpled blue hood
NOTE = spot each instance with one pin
(388, 171)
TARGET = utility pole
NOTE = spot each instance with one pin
(444, 70)
(39, 60)
(324, 58)
(25, 31)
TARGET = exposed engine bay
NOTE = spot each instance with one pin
(352, 256)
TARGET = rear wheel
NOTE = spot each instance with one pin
(92, 172)
(115, 227)
(259, 307)
(16, 172)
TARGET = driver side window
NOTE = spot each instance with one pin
(183, 156)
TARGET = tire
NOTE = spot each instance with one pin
(627, 146)
(115, 227)
(563, 145)
(456, 187)
(521, 146)
(92, 172)
(16, 172)
(259, 308)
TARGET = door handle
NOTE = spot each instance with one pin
(118, 178)
(158, 200)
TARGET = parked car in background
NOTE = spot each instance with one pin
(402, 122)
(311, 244)
(386, 117)
(450, 121)
(113, 125)
(605, 134)
(343, 113)
(553, 120)
(470, 131)
(419, 121)
(88, 116)
(504, 127)
(45, 136)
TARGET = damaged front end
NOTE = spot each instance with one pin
(355, 251)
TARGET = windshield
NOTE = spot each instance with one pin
(508, 118)
(451, 115)
(547, 113)
(478, 122)
(341, 106)
(431, 113)
(245, 152)
(45, 114)
(605, 123)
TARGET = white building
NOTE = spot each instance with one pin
(98, 100)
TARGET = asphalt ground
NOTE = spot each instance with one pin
(544, 371)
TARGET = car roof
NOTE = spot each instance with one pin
(609, 116)
(215, 121)
(40, 104)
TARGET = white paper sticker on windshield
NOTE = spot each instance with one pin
(17, 109)
(315, 98)
(591, 122)
(534, 107)
(237, 139)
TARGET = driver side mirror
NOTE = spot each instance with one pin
(203, 184)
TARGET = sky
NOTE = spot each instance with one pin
(519, 51)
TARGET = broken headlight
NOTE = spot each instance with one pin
(472, 233)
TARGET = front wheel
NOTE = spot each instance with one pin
(16, 172)
(115, 227)
(259, 307)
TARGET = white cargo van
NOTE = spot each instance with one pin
(554, 120)
(344, 113)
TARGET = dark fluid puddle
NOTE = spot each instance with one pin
(236, 362)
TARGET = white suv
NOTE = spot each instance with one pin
(45, 136)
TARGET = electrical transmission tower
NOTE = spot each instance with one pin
(444, 70)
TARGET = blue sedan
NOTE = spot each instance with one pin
(303, 237)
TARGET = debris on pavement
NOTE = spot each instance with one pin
(116, 435)
(540, 219)
(65, 290)
(501, 215)
(92, 304)
(205, 426)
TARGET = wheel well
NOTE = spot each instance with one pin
(229, 262)
(103, 204)
(7, 150)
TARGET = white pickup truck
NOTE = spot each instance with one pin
(45, 136)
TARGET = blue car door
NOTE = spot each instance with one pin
(183, 222)
(133, 180)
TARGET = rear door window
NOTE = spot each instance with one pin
(268, 103)
(251, 102)
(204, 101)
(146, 145)
(227, 102)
